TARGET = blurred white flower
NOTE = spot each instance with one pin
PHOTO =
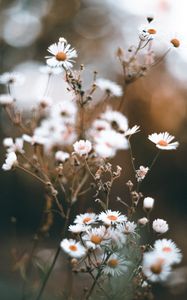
(155, 267)
(73, 248)
(61, 156)
(85, 219)
(82, 147)
(148, 203)
(6, 99)
(109, 87)
(132, 130)
(143, 221)
(10, 161)
(160, 226)
(62, 55)
(171, 252)
(163, 141)
(12, 146)
(78, 228)
(12, 78)
(115, 266)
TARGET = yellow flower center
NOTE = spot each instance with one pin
(61, 56)
(73, 247)
(112, 263)
(112, 217)
(162, 143)
(86, 220)
(96, 239)
(157, 267)
(166, 249)
(151, 31)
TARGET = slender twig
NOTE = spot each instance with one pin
(31, 173)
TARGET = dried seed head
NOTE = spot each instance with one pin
(175, 42)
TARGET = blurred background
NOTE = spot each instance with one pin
(157, 103)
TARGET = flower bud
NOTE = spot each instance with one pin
(148, 203)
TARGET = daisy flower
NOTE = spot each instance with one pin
(95, 237)
(155, 267)
(73, 248)
(115, 266)
(78, 228)
(163, 141)
(117, 237)
(109, 87)
(127, 227)
(132, 130)
(10, 161)
(110, 217)
(171, 252)
(160, 226)
(85, 219)
(82, 147)
(62, 54)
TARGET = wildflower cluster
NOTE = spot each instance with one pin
(67, 145)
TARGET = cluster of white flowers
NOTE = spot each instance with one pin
(157, 262)
(104, 237)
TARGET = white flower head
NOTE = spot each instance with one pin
(10, 161)
(61, 156)
(110, 217)
(170, 251)
(155, 266)
(109, 87)
(117, 237)
(85, 219)
(131, 131)
(96, 237)
(78, 228)
(160, 226)
(141, 173)
(116, 119)
(6, 99)
(12, 78)
(148, 203)
(62, 55)
(12, 146)
(127, 227)
(82, 147)
(143, 221)
(73, 248)
(115, 266)
(163, 141)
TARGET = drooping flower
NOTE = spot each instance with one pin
(82, 147)
(160, 226)
(62, 54)
(73, 248)
(171, 252)
(163, 141)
